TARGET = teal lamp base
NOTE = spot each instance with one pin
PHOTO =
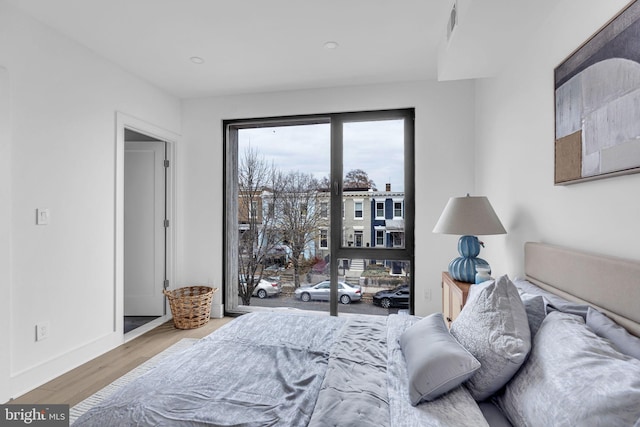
(463, 268)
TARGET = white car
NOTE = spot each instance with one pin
(267, 287)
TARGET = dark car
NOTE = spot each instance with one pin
(398, 297)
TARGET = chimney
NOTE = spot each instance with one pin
(388, 187)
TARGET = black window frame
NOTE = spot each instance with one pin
(339, 252)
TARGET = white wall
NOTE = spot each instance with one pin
(444, 166)
(515, 153)
(5, 218)
(61, 156)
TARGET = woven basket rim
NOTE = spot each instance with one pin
(171, 293)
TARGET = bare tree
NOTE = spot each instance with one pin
(276, 210)
(257, 234)
(298, 215)
(324, 184)
(357, 178)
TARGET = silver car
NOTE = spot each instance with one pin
(320, 291)
(267, 287)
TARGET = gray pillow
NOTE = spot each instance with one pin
(553, 301)
(573, 378)
(619, 337)
(493, 326)
(436, 363)
(536, 308)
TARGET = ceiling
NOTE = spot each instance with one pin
(251, 46)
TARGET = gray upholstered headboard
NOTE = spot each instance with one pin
(612, 285)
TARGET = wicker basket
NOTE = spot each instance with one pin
(190, 306)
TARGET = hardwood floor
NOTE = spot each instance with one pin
(81, 382)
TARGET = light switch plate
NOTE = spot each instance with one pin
(42, 216)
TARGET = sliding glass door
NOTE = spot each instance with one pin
(319, 212)
(372, 172)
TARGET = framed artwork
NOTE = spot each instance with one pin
(597, 104)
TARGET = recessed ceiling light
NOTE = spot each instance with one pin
(197, 60)
(331, 45)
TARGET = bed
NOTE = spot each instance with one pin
(544, 365)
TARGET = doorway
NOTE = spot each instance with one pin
(145, 228)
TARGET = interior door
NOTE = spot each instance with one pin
(144, 228)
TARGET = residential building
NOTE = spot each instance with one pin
(387, 218)
(370, 218)
(356, 217)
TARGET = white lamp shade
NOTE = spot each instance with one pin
(469, 216)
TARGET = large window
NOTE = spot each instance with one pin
(308, 206)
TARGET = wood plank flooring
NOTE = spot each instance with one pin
(81, 382)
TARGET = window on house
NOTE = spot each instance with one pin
(324, 238)
(379, 209)
(324, 209)
(357, 210)
(253, 210)
(311, 218)
(397, 210)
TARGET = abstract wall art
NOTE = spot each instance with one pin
(597, 104)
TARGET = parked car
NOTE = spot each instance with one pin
(266, 287)
(320, 291)
(398, 297)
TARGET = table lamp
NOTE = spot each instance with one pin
(468, 216)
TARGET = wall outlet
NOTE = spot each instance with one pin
(427, 294)
(42, 330)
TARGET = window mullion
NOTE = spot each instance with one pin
(335, 230)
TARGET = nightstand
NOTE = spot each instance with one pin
(454, 297)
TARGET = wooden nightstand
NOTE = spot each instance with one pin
(454, 297)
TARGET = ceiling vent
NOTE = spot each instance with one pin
(453, 20)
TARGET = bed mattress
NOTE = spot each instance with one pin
(274, 369)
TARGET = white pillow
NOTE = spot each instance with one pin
(493, 326)
(436, 363)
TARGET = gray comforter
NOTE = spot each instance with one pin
(273, 369)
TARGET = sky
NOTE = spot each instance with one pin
(375, 147)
